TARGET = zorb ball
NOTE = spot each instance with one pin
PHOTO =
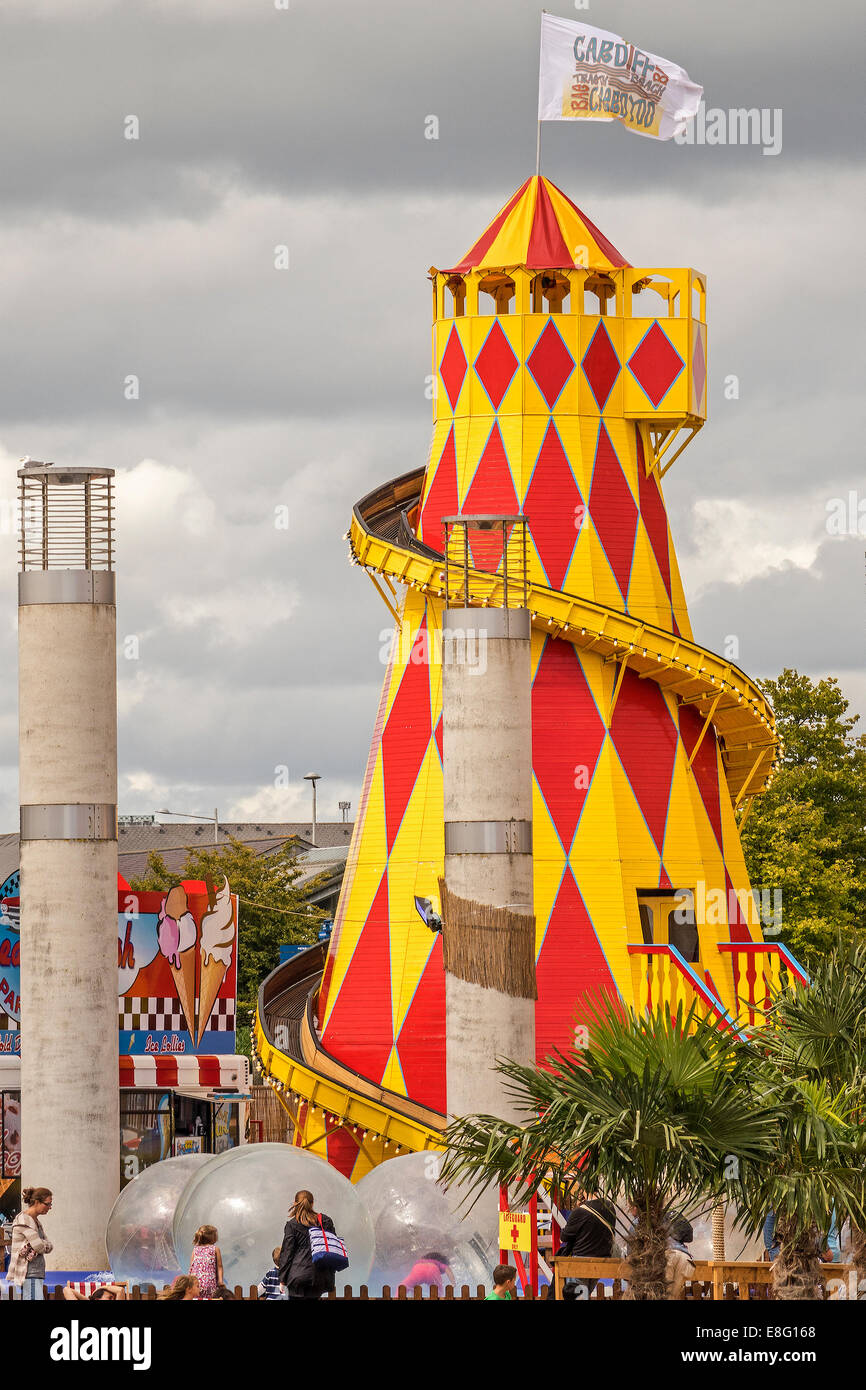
(419, 1225)
(139, 1234)
(246, 1193)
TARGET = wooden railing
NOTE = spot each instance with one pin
(712, 1280)
(661, 977)
(761, 969)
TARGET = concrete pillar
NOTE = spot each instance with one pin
(488, 926)
(68, 793)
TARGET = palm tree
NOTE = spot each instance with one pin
(815, 1169)
(655, 1108)
(818, 1034)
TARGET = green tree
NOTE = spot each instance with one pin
(271, 909)
(819, 1035)
(815, 1171)
(655, 1109)
(806, 835)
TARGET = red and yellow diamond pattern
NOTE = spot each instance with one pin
(549, 415)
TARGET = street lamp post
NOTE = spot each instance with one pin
(313, 777)
(192, 815)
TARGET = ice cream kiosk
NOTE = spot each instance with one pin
(183, 1088)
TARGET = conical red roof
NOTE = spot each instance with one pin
(541, 228)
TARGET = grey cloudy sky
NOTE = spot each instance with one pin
(260, 388)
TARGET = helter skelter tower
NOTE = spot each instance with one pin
(567, 382)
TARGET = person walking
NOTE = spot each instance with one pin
(679, 1265)
(207, 1262)
(30, 1245)
(299, 1276)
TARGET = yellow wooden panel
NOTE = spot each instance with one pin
(364, 884)
(392, 1079)
(548, 860)
(415, 865)
(698, 403)
(511, 325)
(443, 334)
(675, 402)
(622, 436)
(647, 595)
(604, 586)
(678, 598)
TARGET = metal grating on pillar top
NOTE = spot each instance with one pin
(66, 518)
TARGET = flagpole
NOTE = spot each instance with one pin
(538, 136)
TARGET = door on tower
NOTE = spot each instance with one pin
(668, 919)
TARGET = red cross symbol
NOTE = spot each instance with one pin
(514, 1235)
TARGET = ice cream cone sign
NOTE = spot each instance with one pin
(217, 944)
(176, 933)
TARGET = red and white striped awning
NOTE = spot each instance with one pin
(170, 1071)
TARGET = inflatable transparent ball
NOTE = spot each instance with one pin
(139, 1235)
(246, 1194)
(414, 1217)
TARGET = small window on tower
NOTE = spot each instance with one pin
(646, 923)
(682, 927)
(556, 291)
(599, 294)
(454, 299)
(668, 919)
(496, 294)
(652, 298)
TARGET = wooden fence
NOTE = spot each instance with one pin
(714, 1280)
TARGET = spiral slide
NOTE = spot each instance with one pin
(561, 397)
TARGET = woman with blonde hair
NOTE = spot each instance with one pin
(298, 1275)
(29, 1244)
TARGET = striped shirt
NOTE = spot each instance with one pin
(269, 1288)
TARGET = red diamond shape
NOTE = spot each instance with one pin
(496, 365)
(551, 364)
(567, 735)
(360, 1027)
(492, 494)
(453, 367)
(699, 369)
(441, 498)
(654, 515)
(646, 741)
(655, 364)
(421, 1044)
(406, 736)
(613, 511)
(551, 508)
(601, 365)
(572, 973)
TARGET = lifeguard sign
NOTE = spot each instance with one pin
(518, 1236)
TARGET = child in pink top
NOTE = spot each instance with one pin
(206, 1263)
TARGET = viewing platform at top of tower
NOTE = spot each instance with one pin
(543, 289)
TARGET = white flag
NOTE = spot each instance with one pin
(588, 74)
